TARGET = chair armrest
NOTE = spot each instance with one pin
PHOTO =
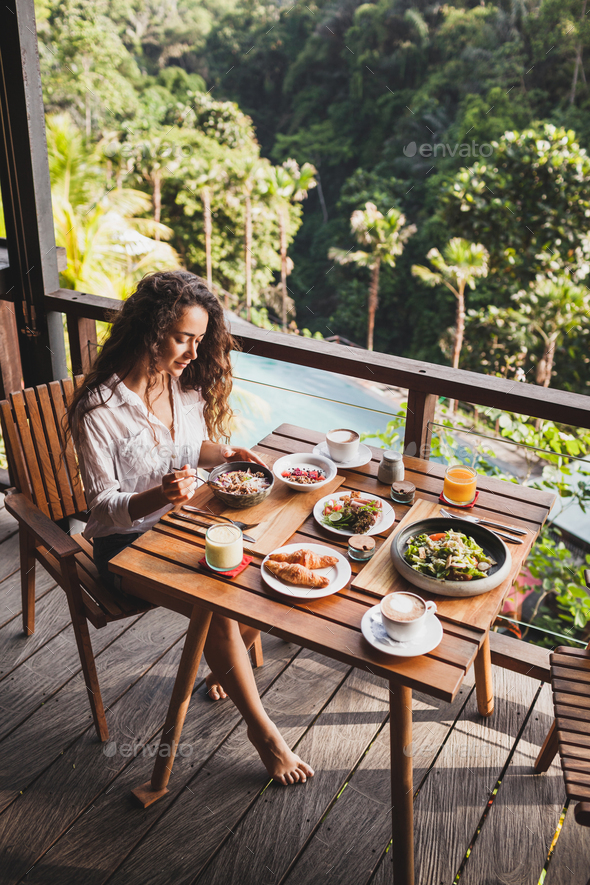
(45, 531)
(519, 656)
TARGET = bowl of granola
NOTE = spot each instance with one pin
(241, 484)
(303, 472)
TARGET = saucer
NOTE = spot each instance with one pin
(374, 632)
(362, 457)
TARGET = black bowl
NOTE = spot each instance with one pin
(490, 543)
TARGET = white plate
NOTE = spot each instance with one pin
(385, 521)
(362, 457)
(375, 634)
(338, 574)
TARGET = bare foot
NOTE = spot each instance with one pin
(214, 688)
(282, 765)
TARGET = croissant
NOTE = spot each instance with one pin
(305, 557)
(293, 573)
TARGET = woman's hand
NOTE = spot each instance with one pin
(228, 453)
(179, 487)
(213, 454)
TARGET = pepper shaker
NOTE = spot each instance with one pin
(391, 468)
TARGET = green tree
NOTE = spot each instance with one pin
(285, 185)
(85, 65)
(74, 164)
(529, 206)
(461, 264)
(248, 174)
(109, 245)
(206, 170)
(385, 237)
(547, 312)
(156, 155)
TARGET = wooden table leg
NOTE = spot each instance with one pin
(194, 643)
(483, 679)
(402, 787)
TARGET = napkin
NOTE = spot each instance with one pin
(443, 500)
(231, 574)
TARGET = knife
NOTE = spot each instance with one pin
(499, 525)
(508, 537)
(204, 525)
(479, 520)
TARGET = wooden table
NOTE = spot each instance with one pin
(162, 567)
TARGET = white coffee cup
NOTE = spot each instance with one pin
(404, 614)
(343, 444)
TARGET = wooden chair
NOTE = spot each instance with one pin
(48, 488)
(570, 681)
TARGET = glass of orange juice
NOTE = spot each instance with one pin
(460, 485)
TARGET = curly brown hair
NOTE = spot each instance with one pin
(139, 329)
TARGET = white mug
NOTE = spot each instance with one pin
(403, 630)
(343, 444)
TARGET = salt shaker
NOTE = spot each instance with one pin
(391, 468)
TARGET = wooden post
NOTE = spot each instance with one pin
(26, 195)
(418, 424)
(11, 373)
(402, 786)
(484, 688)
(82, 337)
(194, 644)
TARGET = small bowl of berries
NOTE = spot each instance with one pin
(303, 472)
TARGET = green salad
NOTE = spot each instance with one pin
(449, 555)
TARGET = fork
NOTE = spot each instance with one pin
(205, 525)
(240, 525)
(476, 520)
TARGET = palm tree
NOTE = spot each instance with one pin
(206, 169)
(249, 172)
(109, 247)
(74, 167)
(156, 155)
(462, 263)
(285, 185)
(385, 236)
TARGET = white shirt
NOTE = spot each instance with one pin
(123, 449)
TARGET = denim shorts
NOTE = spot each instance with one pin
(105, 549)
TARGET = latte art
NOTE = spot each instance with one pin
(402, 607)
(342, 436)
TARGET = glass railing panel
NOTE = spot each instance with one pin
(268, 393)
(553, 603)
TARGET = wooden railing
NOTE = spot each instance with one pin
(425, 382)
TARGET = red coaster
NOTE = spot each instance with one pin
(443, 500)
(235, 571)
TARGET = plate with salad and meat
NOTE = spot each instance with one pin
(354, 513)
(451, 557)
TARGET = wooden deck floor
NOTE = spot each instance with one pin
(65, 809)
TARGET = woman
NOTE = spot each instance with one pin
(157, 396)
